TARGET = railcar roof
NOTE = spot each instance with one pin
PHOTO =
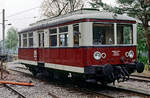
(77, 15)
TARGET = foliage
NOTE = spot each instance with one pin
(51, 8)
(12, 39)
(142, 48)
(140, 9)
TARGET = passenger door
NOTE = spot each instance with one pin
(41, 39)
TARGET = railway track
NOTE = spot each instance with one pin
(133, 90)
(140, 78)
(98, 93)
(84, 90)
(14, 91)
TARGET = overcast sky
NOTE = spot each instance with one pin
(14, 12)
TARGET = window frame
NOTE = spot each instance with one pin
(53, 34)
(63, 33)
(61, 27)
(116, 34)
(20, 41)
(78, 35)
(25, 38)
(29, 38)
(132, 40)
(104, 23)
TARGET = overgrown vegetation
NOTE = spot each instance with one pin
(142, 48)
(12, 39)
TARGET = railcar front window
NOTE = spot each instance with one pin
(103, 33)
(124, 34)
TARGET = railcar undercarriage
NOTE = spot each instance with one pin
(108, 73)
(104, 74)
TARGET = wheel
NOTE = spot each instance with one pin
(33, 71)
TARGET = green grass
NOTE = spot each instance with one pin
(147, 67)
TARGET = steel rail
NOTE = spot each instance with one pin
(96, 93)
(140, 78)
(30, 75)
(15, 91)
(133, 90)
(122, 88)
(83, 89)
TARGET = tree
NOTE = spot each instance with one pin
(140, 9)
(51, 8)
(12, 39)
(142, 48)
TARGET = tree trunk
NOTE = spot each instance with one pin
(149, 56)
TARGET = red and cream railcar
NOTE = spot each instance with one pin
(94, 45)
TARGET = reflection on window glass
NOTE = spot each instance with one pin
(53, 40)
(24, 40)
(63, 39)
(124, 34)
(103, 34)
(76, 34)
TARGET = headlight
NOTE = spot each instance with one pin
(97, 55)
(131, 54)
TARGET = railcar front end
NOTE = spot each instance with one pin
(113, 55)
(109, 63)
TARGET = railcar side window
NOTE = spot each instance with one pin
(76, 34)
(53, 37)
(19, 40)
(103, 33)
(63, 36)
(124, 34)
(30, 39)
(24, 40)
(63, 29)
(52, 31)
(63, 39)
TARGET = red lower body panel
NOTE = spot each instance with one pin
(78, 57)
